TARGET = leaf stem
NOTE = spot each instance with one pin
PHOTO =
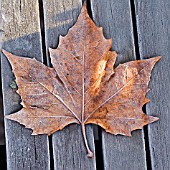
(89, 152)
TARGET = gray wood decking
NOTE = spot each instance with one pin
(139, 29)
(153, 27)
(22, 36)
(119, 152)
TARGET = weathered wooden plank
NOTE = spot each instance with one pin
(114, 16)
(2, 140)
(68, 147)
(2, 136)
(153, 18)
(20, 22)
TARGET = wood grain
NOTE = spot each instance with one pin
(20, 22)
(153, 18)
(2, 137)
(119, 152)
(68, 148)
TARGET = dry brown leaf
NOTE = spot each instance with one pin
(82, 86)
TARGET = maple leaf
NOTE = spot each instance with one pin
(82, 87)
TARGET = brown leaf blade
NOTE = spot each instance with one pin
(42, 97)
(38, 120)
(118, 109)
(77, 56)
(82, 87)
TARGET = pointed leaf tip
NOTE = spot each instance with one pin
(151, 119)
(155, 59)
(85, 4)
(155, 119)
(158, 58)
(6, 53)
(10, 117)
